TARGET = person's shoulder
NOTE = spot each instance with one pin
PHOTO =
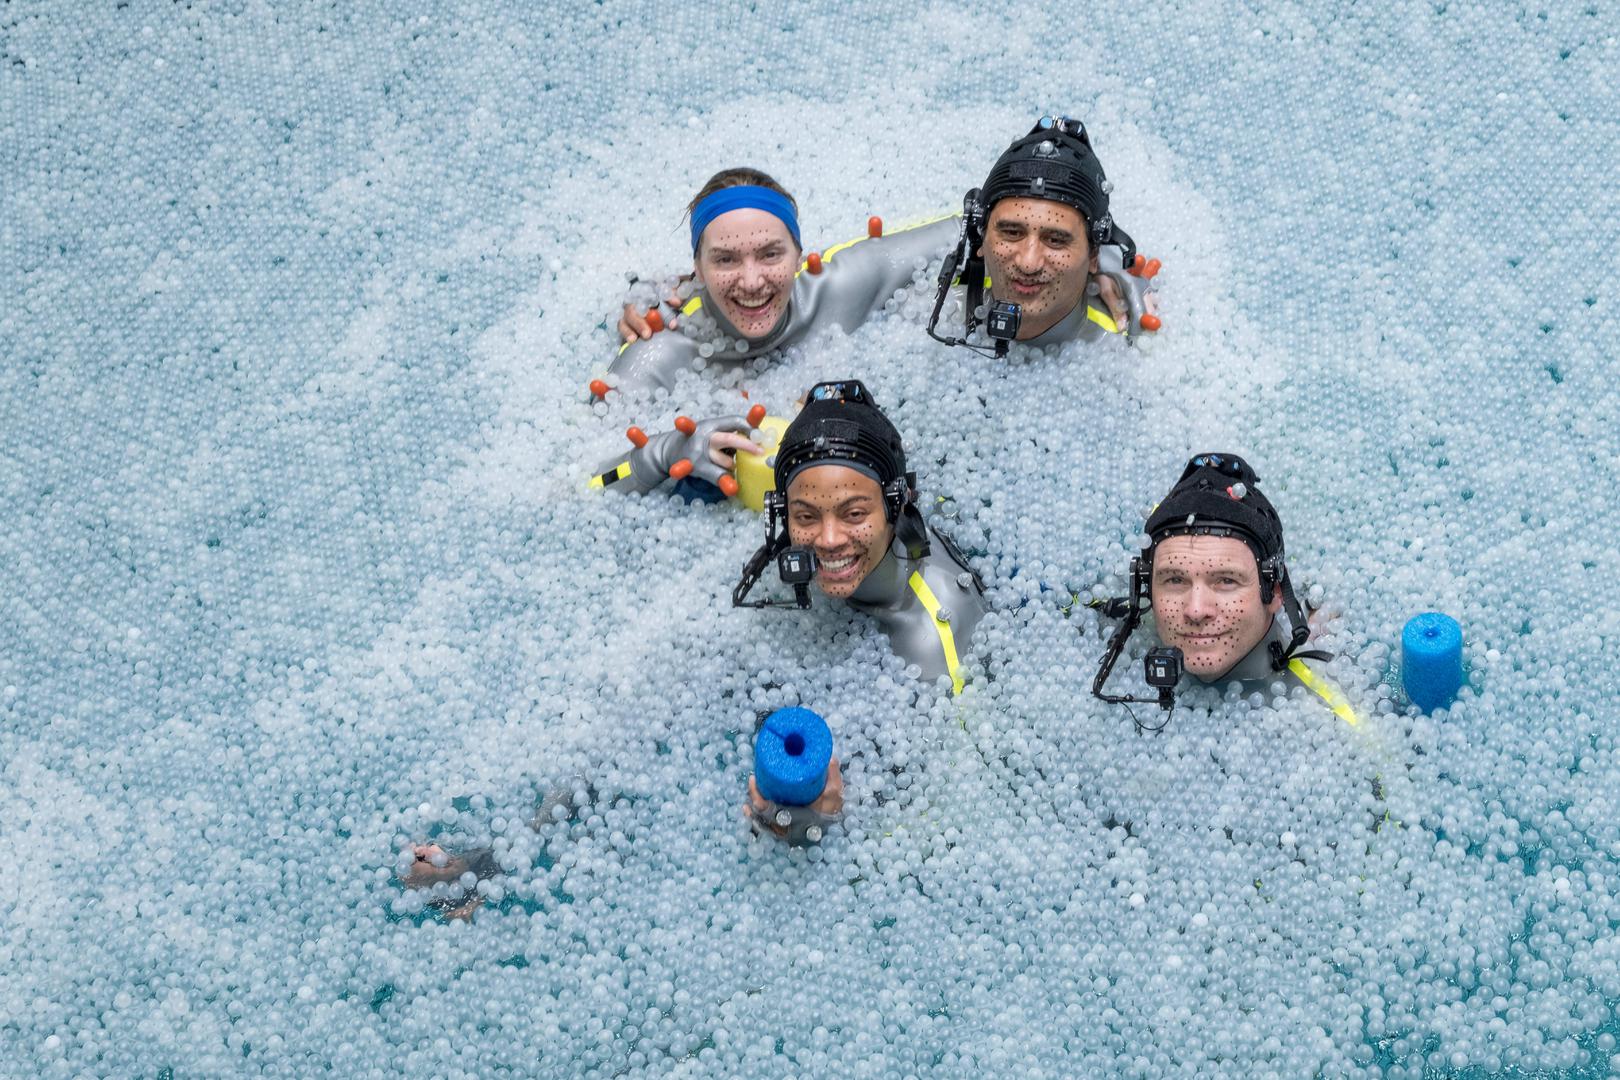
(930, 236)
(948, 573)
(932, 229)
(653, 361)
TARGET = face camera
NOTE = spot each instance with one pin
(1002, 324)
(1162, 666)
(797, 566)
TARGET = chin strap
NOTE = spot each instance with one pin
(1127, 246)
(1299, 630)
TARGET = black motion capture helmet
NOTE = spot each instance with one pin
(840, 424)
(1054, 161)
(1217, 495)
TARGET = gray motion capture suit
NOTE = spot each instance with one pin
(855, 283)
(891, 595)
(1255, 674)
(448, 897)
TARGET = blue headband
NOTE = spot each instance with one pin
(743, 197)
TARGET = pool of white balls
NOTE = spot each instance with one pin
(297, 313)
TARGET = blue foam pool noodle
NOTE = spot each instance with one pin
(791, 753)
(1431, 660)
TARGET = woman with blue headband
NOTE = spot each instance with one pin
(745, 250)
(755, 290)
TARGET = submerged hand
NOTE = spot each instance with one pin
(636, 325)
(1147, 269)
(464, 910)
(1322, 619)
(1108, 292)
(433, 864)
(1127, 290)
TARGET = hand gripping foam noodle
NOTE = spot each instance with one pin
(791, 753)
(756, 473)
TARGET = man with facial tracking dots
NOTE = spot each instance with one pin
(1039, 237)
(1214, 574)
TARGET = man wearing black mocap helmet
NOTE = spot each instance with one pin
(1039, 236)
(844, 516)
(1223, 603)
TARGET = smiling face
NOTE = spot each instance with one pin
(1206, 601)
(839, 512)
(1038, 257)
(746, 259)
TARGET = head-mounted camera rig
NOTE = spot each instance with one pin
(1206, 502)
(1055, 162)
(1162, 666)
(840, 424)
(795, 564)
